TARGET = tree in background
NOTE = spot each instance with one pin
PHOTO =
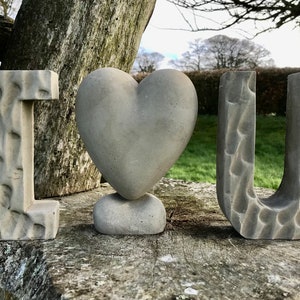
(279, 12)
(146, 62)
(6, 8)
(221, 52)
(191, 60)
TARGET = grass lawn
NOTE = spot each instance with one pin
(198, 161)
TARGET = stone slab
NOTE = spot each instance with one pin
(198, 256)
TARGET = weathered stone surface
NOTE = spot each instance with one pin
(114, 214)
(135, 132)
(198, 256)
(22, 217)
(277, 217)
(71, 38)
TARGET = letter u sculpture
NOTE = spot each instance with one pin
(277, 217)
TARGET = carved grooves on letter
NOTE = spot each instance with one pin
(21, 217)
(277, 217)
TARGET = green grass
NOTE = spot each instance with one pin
(198, 161)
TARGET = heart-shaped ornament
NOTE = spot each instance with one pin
(135, 132)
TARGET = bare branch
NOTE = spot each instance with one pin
(280, 12)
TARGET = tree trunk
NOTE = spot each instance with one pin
(6, 25)
(72, 38)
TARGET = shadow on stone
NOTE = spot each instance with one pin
(208, 231)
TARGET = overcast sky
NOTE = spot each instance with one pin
(283, 43)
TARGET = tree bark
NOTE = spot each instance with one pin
(6, 25)
(72, 38)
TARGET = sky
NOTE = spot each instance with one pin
(283, 43)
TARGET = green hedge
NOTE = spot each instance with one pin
(207, 87)
(271, 89)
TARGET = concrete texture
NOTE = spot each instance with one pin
(198, 256)
(21, 216)
(275, 217)
(134, 133)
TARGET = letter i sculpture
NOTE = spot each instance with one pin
(21, 216)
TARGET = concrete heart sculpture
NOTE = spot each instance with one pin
(135, 132)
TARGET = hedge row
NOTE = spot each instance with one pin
(271, 89)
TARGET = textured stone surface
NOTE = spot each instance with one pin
(276, 217)
(198, 256)
(115, 215)
(22, 217)
(134, 133)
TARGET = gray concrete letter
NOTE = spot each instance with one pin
(277, 217)
(22, 217)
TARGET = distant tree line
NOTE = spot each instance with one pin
(218, 52)
(223, 52)
(146, 62)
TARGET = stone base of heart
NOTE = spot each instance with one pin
(116, 215)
